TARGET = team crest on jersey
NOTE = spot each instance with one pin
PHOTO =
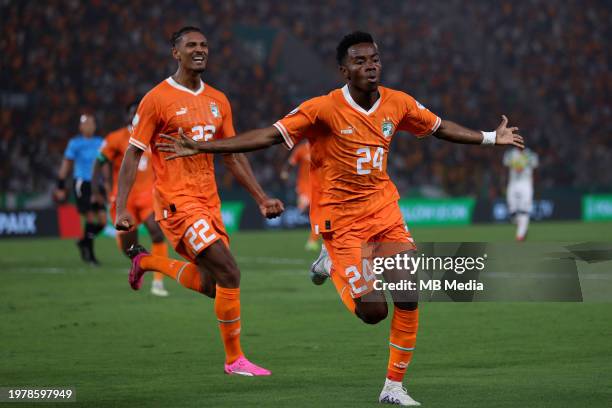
(214, 110)
(387, 128)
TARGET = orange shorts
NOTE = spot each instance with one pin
(191, 232)
(347, 248)
(139, 205)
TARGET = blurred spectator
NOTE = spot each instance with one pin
(544, 64)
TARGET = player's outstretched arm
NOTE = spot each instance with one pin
(239, 165)
(127, 175)
(184, 146)
(503, 135)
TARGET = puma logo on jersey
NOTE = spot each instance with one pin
(181, 111)
(348, 131)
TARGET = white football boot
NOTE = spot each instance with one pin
(394, 393)
(320, 269)
(157, 289)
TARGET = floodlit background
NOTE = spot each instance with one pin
(545, 64)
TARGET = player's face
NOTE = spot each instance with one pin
(362, 67)
(87, 127)
(192, 51)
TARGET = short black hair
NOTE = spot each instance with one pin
(356, 37)
(176, 36)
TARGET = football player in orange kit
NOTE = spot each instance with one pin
(300, 157)
(140, 202)
(353, 200)
(187, 205)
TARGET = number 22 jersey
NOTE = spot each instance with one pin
(204, 115)
(349, 148)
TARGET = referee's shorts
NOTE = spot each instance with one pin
(82, 193)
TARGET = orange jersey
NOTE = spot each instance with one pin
(349, 148)
(113, 148)
(203, 115)
(300, 157)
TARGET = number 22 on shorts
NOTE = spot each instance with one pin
(199, 230)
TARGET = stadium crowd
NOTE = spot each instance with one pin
(543, 64)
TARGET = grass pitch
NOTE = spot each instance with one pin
(65, 324)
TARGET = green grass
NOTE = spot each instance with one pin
(62, 323)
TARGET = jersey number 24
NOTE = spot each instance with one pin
(376, 159)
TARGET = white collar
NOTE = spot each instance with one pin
(180, 87)
(355, 105)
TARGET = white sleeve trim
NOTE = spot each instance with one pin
(138, 144)
(434, 128)
(283, 131)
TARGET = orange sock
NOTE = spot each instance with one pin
(344, 293)
(159, 249)
(227, 309)
(402, 341)
(185, 273)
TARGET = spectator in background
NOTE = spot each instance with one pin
(551, 59)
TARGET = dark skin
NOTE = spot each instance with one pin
(361, 70)
(104, 169)
(216, 263)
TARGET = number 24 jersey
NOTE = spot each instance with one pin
(349, 148)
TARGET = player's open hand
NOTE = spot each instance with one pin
(124, 221)
(507, 136)
(271, 207)
(181, 146)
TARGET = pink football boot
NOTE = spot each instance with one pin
(242, 366)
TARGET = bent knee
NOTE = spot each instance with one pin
(209, 290)
(226, 273)
(373, 315)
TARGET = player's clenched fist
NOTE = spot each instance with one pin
(124, 221)
(271, 207)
